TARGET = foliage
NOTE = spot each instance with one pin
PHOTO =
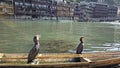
(117, 2)
(7, 1)
(111, 2)
(2, 0)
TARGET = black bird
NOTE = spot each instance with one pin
(79, 50)
(80, 46)
(34, 51)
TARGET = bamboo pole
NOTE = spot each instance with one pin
(94, 64)
(98, 63)
(65, 55)
(48, 65)
(106, 62)
(40, 56)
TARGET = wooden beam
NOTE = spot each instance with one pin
(110, 58)
(64, 55)
(42, 56)
(1, 56)
(106, 62)
(48, 65)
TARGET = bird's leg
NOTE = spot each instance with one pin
(36, 61)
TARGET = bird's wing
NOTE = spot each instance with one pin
(33, 52)
(79, 48)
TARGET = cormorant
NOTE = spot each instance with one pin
(79, 50)
(34, 51)
(80, 46)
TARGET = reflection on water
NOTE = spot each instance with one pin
(63, 36)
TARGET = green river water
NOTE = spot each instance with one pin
(58, 37)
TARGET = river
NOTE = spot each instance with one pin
(59, 37)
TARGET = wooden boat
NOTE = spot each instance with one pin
(62, 60)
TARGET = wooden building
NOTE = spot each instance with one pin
(65, 9)
(83, 11)
(6, 9)
(22, 8)
(40, 8)
(48, 8)
(94, 11)
(77, 12)
(43, 8)
(100, 10)
(112, 11)
(35, 8)
(54, 9)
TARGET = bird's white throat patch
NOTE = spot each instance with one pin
(37, 37)
(83, 44)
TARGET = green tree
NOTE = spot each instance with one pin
(2, 0)
(117, 2)
(110, 2)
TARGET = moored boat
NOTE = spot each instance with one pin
(61, 60)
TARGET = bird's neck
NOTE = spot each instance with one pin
(37, 43)
(81, 41)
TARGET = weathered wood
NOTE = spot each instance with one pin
(43, 56)
(99, 55)
(99, 63)
(89, 60)
(1, 56)
(50, 65)
(106, 62)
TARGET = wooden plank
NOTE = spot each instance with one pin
(107, 62)
(88, 60)
(43, 56)
(1, 56)
(50, 65)
(67, 65)
(73, 64)
(65, 55)
(113, 59)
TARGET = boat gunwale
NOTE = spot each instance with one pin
(97, 63)
(55, 65)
